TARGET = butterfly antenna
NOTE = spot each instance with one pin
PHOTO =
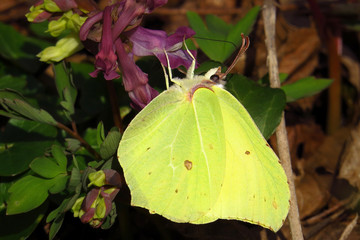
(244, 46)
(190, 72)
(216, 40)
(169, 70)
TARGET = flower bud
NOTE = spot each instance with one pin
(76, 208)
(51, 6)
(96, 206)
(56, 27)
(37, 14)
(65, 47)
(97, 178)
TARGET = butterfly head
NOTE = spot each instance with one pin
(213, 77)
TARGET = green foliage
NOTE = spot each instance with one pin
(20, 226)
(28, 193)
(264, 104)
(216, 38)
(111, 142)
(305, 87)
(43, 157)
(39, 160)
(21, 142)
(19, 49)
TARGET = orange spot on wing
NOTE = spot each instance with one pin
(188, 164)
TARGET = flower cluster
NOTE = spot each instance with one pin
(115, 29)
(62, 15)
(96, 206)
(114, 36)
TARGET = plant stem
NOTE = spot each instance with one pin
(269, 18)
(81, 140)
(330, 33)
(114, 105)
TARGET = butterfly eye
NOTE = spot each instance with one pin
(215, 78)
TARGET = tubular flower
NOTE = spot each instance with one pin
(106, 58)
(155, 42)
(96, 206)
(110, 29)
(135, 81)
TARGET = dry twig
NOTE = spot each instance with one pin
(269, 16)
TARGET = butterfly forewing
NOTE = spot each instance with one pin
(173, 155)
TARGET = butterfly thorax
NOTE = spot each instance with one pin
(189, 86)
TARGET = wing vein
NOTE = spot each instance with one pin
(202, 146)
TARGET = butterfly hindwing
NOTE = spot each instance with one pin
(255, 187)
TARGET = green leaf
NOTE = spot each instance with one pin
(25, 130)
(100, 136)
(264, 104)
(60, 157)
(20, 226)
(59, 184)
(19, 49)
(73, 198)
(107, 165)
(21, 142)
(90, 136)
(75, 179)
(55, 226)
(10, 94)
(217, 39)
(211, 43)
(58, 211)
(109, 147)
(15, 159)
(23, 109)
(46, 167)
(243, 26)
(27, 193)
(68, 104)
(72, 144)
(4, 195)
(65, 87)
(16, 83)
(216, 24)
(64, 79)
(305, 87)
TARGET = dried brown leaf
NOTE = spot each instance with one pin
(350, 169)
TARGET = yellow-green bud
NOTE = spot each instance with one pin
(100, 208)
(34, 12)
(57, 27)
(51, 6)
(97, 178)
(65, 47)
(75, 22)
(76, 208)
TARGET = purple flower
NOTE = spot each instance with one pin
(64, 5)
(42, 11)
(119, 21)
(96, 206)
(135, 81)
(106, 58)
(155, 42)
